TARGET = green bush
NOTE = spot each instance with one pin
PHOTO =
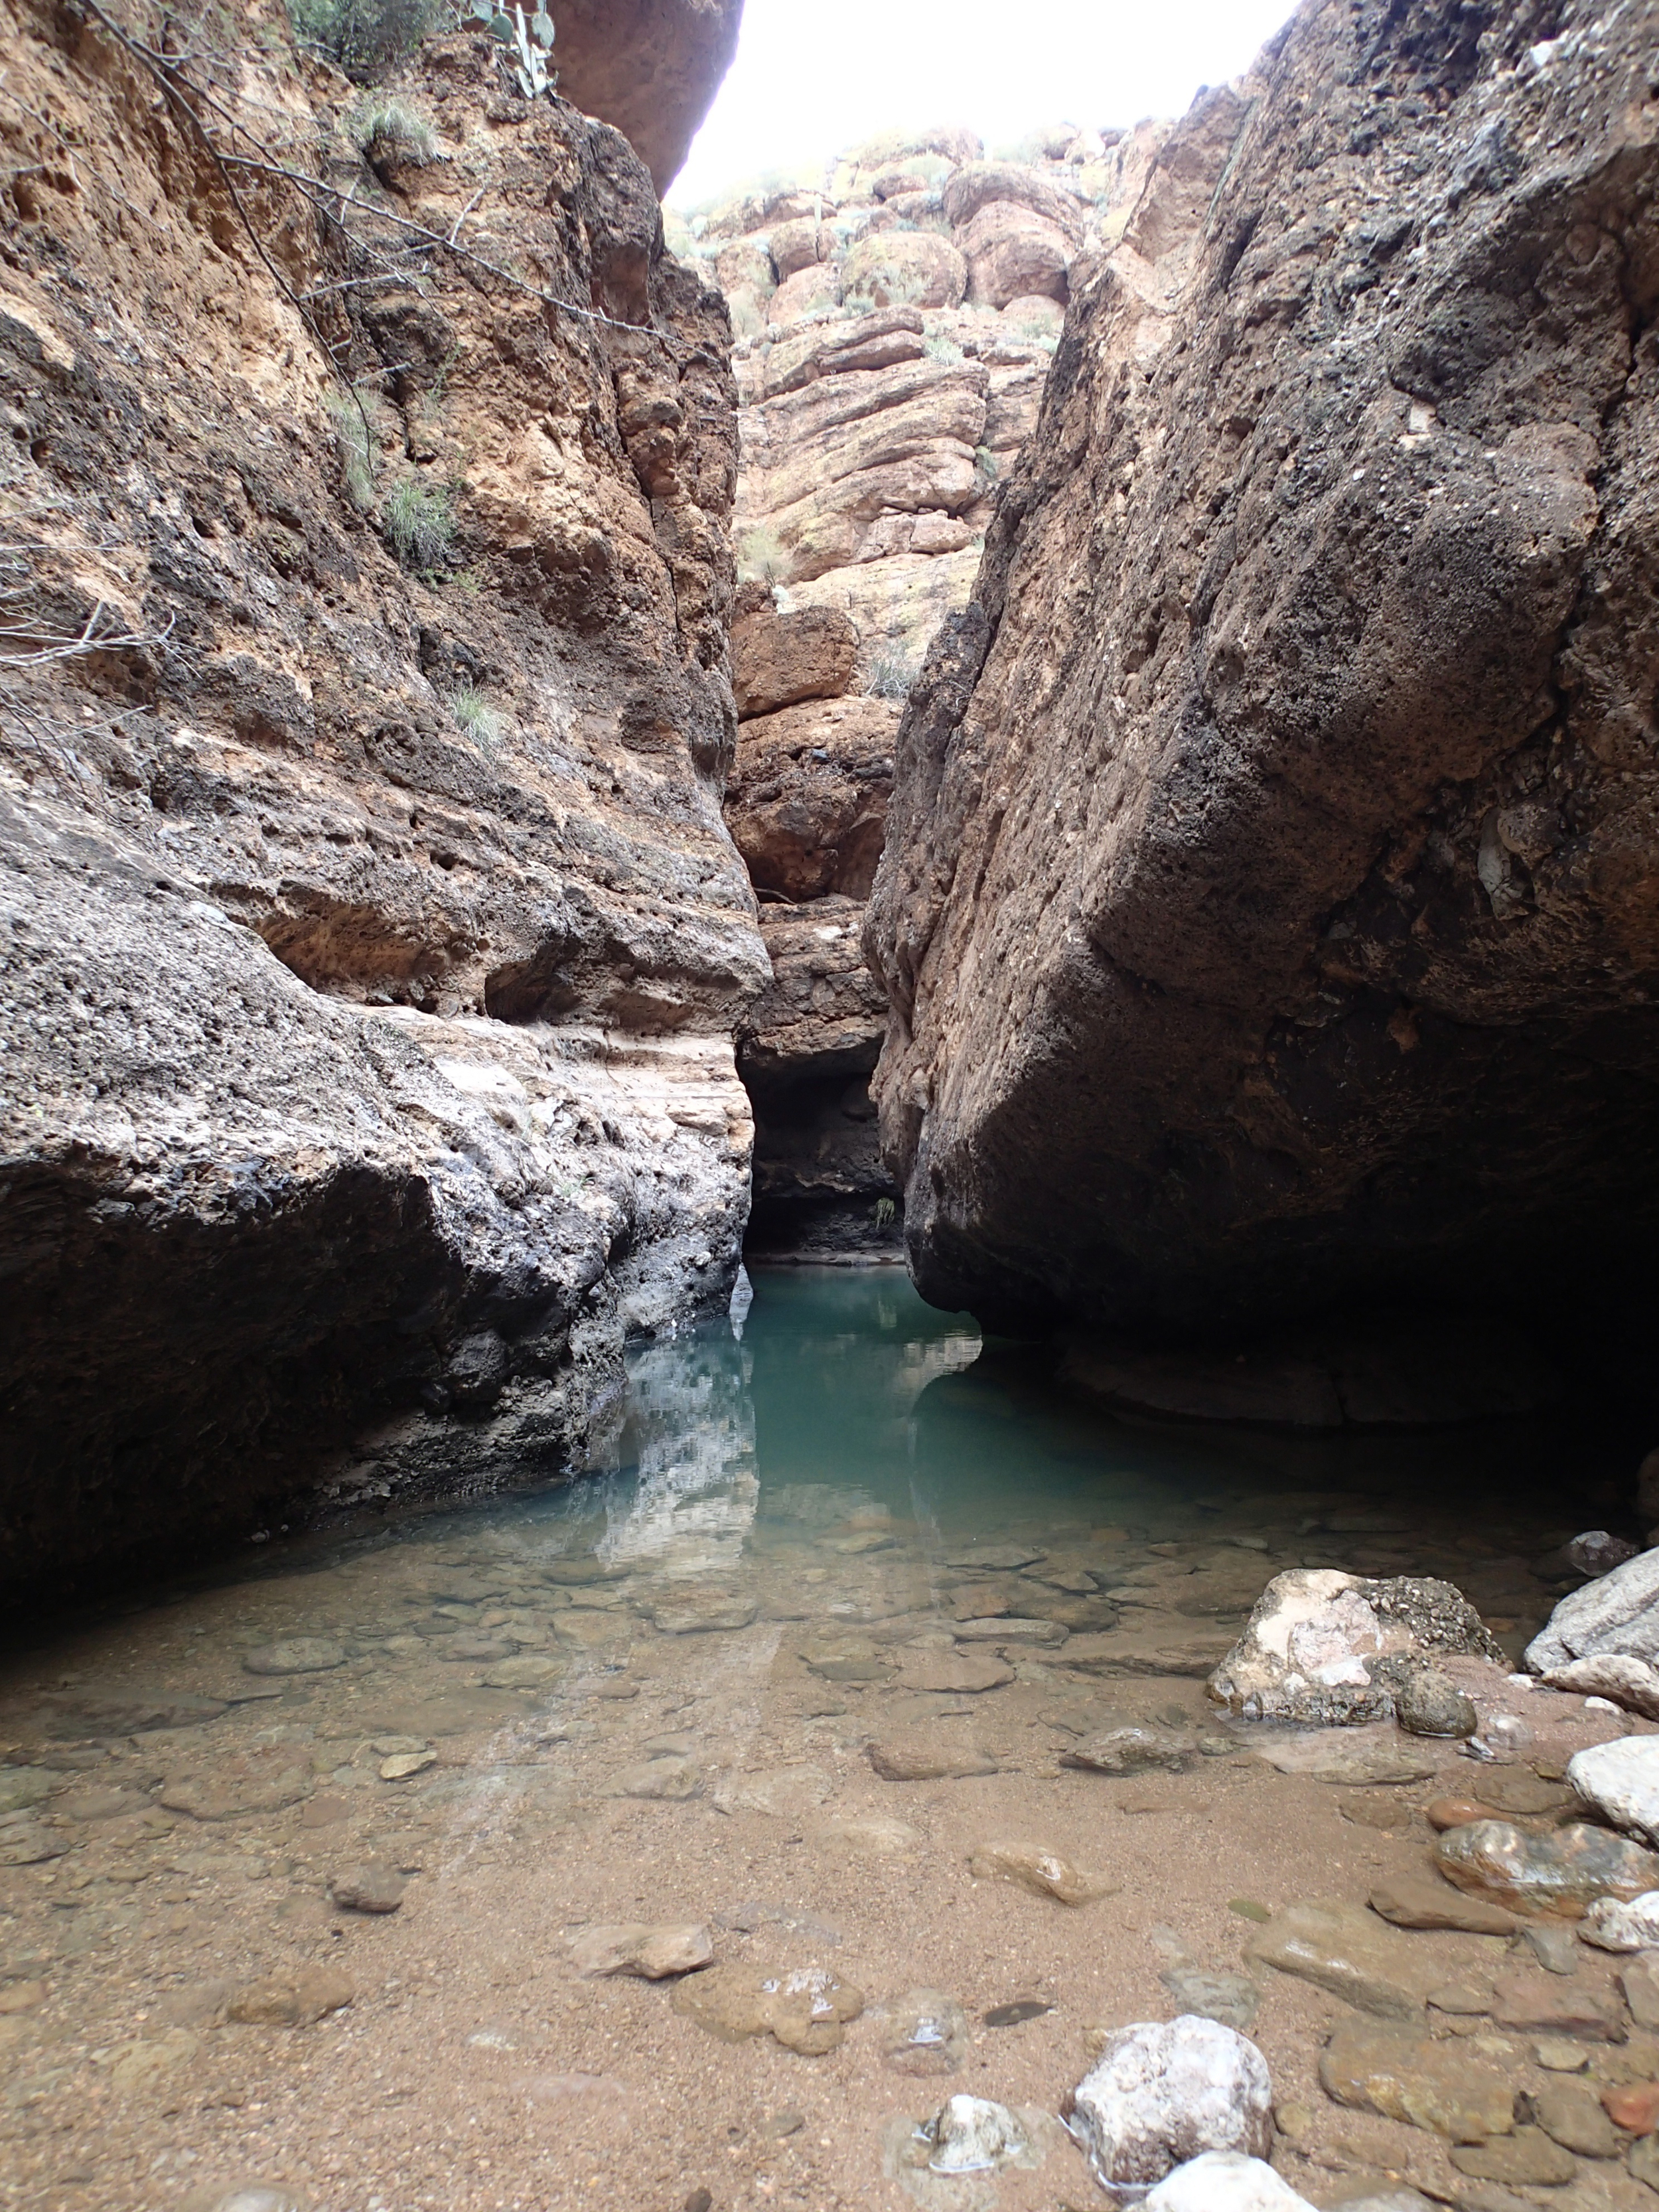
(418, 521)
(942, 349)
(365, 37)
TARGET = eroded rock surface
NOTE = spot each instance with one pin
(1267, 907)
(373, 941)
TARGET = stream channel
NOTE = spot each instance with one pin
(808, 1644)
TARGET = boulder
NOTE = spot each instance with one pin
(906, 268)
(1163, 2093)
(1224, 2181)
(1012, 253)
(778, 660)
(979, 185)
(1619, 1924)
(807, 293)
(1624, 1680)
(1563, 1871)
(1620, 1781)
(1618, 1614)
(807, 803)
(882, 340)
(799, 245)
(1326, 1647)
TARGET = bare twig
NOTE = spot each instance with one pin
(91, 639)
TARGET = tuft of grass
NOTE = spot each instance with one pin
(942, 349)
(389, 129)
(357, 450)
(892, 671)
(761, 558)
(476, 719)
(418, 522)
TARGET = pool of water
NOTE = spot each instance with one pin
(807, 1642)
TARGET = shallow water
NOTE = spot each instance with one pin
(650, 1696)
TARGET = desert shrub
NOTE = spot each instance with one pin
(476, 719)
(760, 558)
(892, 671)
(365, 37)
(356, 448)
(390, 130)
(942, 349)
(986, 462)
(418, 521)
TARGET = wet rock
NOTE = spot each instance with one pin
(1514, 1790)
(99, 1804)
(1347, 1757)
(1034, 1867)
(142, 2064)
(1193, 1656)
(997, 1559)
(1555, 1947)
(1016, 2014)
(1441, 2087)
(790, 1793)
(21, 1787)
(1326, 1649)
(294, 1654)
(292, 1997)
(371, 1887)
(1596, 1553)
(1163, 2093)
(22, 1996)
(695, 1612)
(1617, 1612)
(663, 1780)
(1563, 1872)
(1133, 1750)
(263, 1780)
(803, 2008)
(955, 1674)
(530, 1670)
(1393, 1815)
(1343, 1948)
(1545, 2003)
(972, 2135)
(919, 1759)
(924, 2033)
(1224, 2181)
(1629, 1682)
(1428, 1702)
(246, 2197)
(201, 2004)
(1620, 1781)
(28, 1842)
(1570, 2114)
(652, 1952)
(1008, 1628)
(1442, 1813)
(873, 1837)
(1640, 1983)
(1557, 2054)
(1528, 2158)
(404, 1765)
(1212, 1993)
(1421, 1901)
(1643, 2161)
(1633, 2107)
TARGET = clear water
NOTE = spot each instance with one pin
(650, 1696)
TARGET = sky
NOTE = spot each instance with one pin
(810, 82)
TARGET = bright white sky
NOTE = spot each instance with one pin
(810, 82)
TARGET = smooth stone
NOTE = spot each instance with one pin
(918, 1759)
(699, 1612)
(1224, 2181)
(1597, 1552)
(1441, 2087)
(873, 1837)
(1515, 1789)
(294, 1997)
(1212, 1993)
(1427, 1703)
(1034, 1867)
(923, 2032)
(1163, 2093)
(652, 1952)
(1459, 2000)
(20, 1787)
(1620, 1781)
(1348, 1951)
(802, 2008)
(266, 1779)
(1543, 2002)
(1133, 1750)
(1556, 2055)
(791, 1793)
(972, 2135)
(294, 1654)
(1009, 1629)
(99, 1804)
(24, 1842)
(1639, 1981)
(1563, 1872)
(1421, 1901)
(1571, 2114)
(371, 1887)
(1528, 2158)
(669, 1781)
(1617, 1613)
(402, 1765)
(1108, 1653)
(530, 1670)
(1392, 1815)
(1626, 1681)
(955, 1674)
(1444, 1813)
(1350, 1756)
(1633, 2105)
(1555, 1947)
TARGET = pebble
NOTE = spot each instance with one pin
(1441, 2087)
(955, 1674)
(530, 1670)
(972, 2135)
(777, 2126)
(401, 1765)
(371, 1887)
(1421, 1901)
(1428, 1702)
(1442, 1813)
(874, 1838)
(1035, 1867)
(1563, 1872)
(696, 1611)
(1570, 2114)
(921, 1758)
(1369, 1810)
(1527, 2158)
(653, 1953)
(670, 1781)
(1163, 2093)
(296, 1997)
(1556, 2055)
(923, 2032)
(294, 1654)
(1555, 1947)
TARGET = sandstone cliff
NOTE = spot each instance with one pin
(1268, 908)
(373, 941)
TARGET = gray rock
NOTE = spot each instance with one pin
(1596, 1553)
(1617, 1612)
(1617, 1675)
(1212, 1993)
(1353, 1954)
(1555, 1947)
(1134, 1750)
(24, 1786)
(1428, 1702)
(1620, 1781)
(371, 1887)
(1163, 2093)
(1571, 2114)
(1224, 2181)
(1639, 1981)
(1564, 1871)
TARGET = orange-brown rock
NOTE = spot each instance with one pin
(650, 68)
(807, 292)
(800, 245)
(897, 268)
(979, 185)
(780, 658)
(1010, 252)
(807, 799)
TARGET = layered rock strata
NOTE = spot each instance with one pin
(1266, 911)
(373, 941)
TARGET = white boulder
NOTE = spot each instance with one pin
(1617, 1676)
(1224, 2181)
(1620, 1781)
(1618, 1612)
(1163, 2093)
(1613, 1925)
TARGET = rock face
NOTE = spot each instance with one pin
(1267, 907)
(650, 68)
(374, 942)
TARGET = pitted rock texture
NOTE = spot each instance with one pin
(650, 68)
(1268, 906)
(374, 944)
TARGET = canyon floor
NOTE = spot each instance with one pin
(672, 1694)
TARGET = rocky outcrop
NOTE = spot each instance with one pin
(649, 68)
(373, 942)
(1268, 905)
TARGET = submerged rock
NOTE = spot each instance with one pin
(1163, 2093)
(653, 1953)
(1620, 1781)
(972, 2135)
(923, 2032)
(294, 1654)
(1616, 1675)
(1133, 1749)
(1563, 1872)
(1348, 1951)
(294, 1997)
(371, 1887)
(803, 2008)
(1212, 1993)
(1596, 1553)
(1323, 1648)
(1224, 2181)
(921, 1758)
(1451, 2091)
(1035, 1867)
(1419, 1901)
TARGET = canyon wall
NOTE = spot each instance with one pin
(372, 942)
(1269, 910)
